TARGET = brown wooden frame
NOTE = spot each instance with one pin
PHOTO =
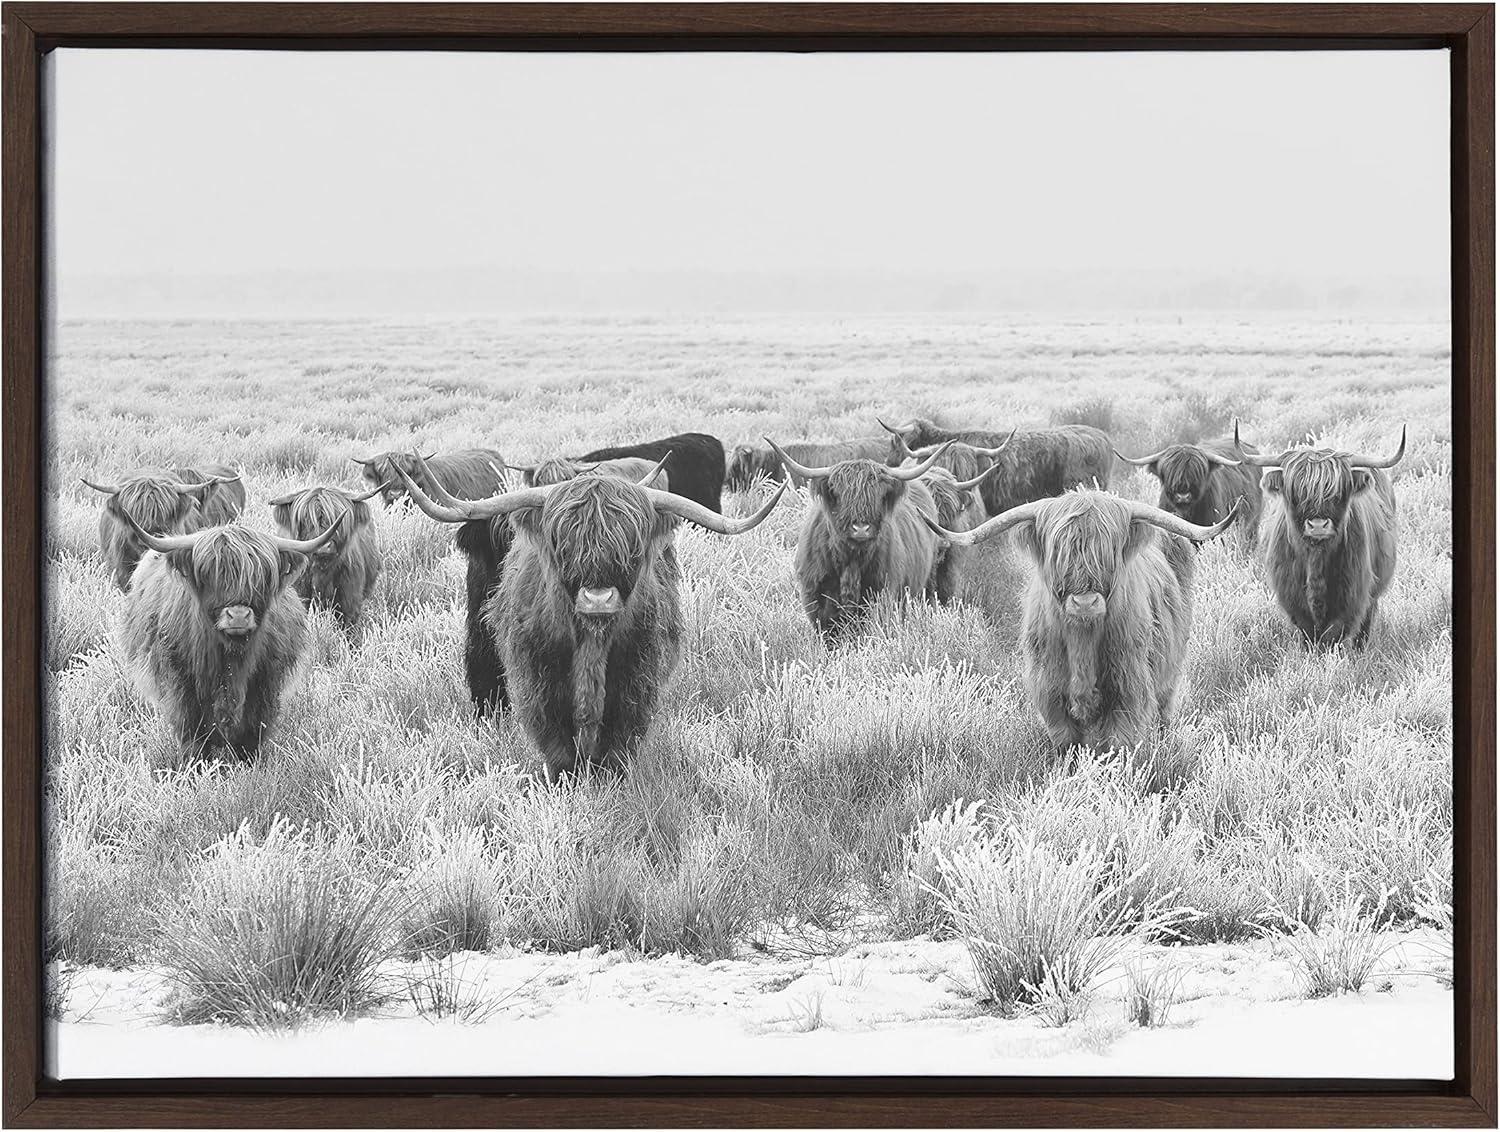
(1466, 30)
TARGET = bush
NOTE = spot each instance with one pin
(1150, 993)
(1343, 950)
(276, 933)
(1041, 924)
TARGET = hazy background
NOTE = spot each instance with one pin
(279, 183)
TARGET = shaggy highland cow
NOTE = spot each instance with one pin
(1034, 463)
(1200, 482)
(214, 630)
(486, 542)
(175, 501)
(587, 617)
(959, 508)
(866, 533)
(697, 464)
(469, 473)
(341, 573)
(748, 464)
(1330, 547)
(1107, 613)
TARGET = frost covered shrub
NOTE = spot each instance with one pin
(1341, 951)
(1040, 922)
(455, 893)
(276, 932)
(920, 890)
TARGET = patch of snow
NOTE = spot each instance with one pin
(886, 1008)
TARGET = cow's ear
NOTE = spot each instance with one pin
(182, 562)
(1271, 481)
(1028, 540)
(359, 513)
(1141, 533)
(527, 521)
(291, 561)
(1364, 480)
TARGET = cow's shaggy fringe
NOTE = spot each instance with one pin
(341, 576)
(278, 931)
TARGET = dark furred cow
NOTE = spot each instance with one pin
(214, 630)
(866, 533)
(748, 463)
(959, 508)
(1330, 545)
(1036, 463)
(696, 466)
(169, 502)
(1200, 482)
(341, 573)
(1107, 612)
(468, 473)
(587, 616)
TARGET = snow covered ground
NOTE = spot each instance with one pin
(898, 1008)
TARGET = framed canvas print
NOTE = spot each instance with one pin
(749, 564)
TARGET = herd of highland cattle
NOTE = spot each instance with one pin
(574, 619)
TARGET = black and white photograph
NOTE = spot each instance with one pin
(748, 563)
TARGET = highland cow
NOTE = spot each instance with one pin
(214, 630)
(1107, 613)
(485, 544)
(587, 617)
(1330, 545)
(176, 501)
(748, 464)
(697, 464)
(959, 508)
(1034, 463)
(865, 534)
(341, 573)
(469, 473)
(1201, 482)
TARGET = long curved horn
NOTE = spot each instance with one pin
(1358, 461)
(524, 469)
(893, 431)
(1214, 458)
(438, 490)
(695, 512)
(1177, 525)
(650, 477)
(1143, 461)
(162, 544)
(1255, 459)
(99, 487)
(792, 466)
(969, 485)
(993, 452)
(465, 510)
(990, 527)
(195, 488)
(909, 474)
(370, 494)
(282, 500)
(362, 460)
(307, 546)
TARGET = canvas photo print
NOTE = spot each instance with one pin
(748, 564)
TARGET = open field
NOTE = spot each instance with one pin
(789, 802)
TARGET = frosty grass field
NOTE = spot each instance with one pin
(855, 861)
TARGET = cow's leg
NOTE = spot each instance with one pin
(484, 667)
(541, 692)
(1366, 625)
(1052, 706)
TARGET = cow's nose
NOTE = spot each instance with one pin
(1318, 529)
(1183, 497)
(862, 532)
(602, 602)
(1084, 605)
(236, 620)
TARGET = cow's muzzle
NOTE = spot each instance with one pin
(1182, 498)
(862, 532)
(1317, 530)
(1084, 606)
(236, 621)
(598, 602)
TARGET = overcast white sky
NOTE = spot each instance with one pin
(1304, 166)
